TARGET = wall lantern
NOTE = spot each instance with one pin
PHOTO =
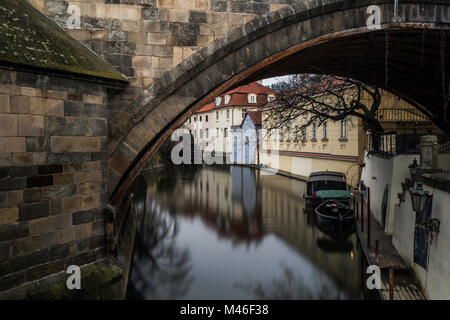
(418, 200)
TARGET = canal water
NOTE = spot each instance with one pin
(235, 233)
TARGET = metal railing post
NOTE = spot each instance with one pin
(368, 217)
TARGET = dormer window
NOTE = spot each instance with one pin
(227, 99)
(251, 98)
(270, 98)
(218, 101)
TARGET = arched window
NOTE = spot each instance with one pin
(227, 99)
(251, 98)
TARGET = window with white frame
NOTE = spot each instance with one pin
(228, 114)
(217, 115)
(282, 135)
(206, 133)
(244, 112)
(270, 98)
(195, 119)
(217, 132)
(313, 131)
(296, 134)
(288, 134)
(206, 118)
(227, 99)
(225, 132)
(218, 101)
(324, 130)
(343, 129)
(304, 134)
(251, 98)
(200, 118)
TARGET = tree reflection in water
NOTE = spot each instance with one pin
(291, 286)
(161, 266)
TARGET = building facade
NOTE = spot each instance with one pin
(333, 145)
(246, 140)
(212, 125)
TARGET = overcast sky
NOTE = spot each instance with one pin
(270, 81)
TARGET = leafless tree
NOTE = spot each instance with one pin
(313, 99)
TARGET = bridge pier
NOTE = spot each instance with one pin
(68, 141)
(53, 175)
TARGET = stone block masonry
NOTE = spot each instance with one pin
(53, 181)
(145, 38)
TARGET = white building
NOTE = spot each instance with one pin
(246, 139)
(212, 125)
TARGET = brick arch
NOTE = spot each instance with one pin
(329, 36)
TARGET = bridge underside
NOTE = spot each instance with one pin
(411, 67)
(408, 58)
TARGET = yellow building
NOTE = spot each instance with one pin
(334, 145)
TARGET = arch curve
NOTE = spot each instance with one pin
(328, 36)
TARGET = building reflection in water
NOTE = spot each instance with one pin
(245, 232)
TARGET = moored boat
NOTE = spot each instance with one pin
(334, 214)
(326, 185)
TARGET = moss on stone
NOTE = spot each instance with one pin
(102, 280)
(29, 38)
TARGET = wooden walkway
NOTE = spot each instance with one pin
(380, 251)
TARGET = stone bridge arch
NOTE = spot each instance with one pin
(330, 36)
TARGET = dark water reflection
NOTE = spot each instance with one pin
(233, 233)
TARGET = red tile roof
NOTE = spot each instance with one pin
(206, 108)
(239, 97)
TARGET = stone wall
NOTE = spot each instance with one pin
(145, 38)
(52, 175)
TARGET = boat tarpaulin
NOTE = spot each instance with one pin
(334, 194)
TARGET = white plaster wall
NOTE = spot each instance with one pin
(378, 173)
(400, 171)
(436, 280)
(403, 233)
(375, 175)
(301, 166)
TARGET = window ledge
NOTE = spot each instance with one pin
(325, 140)
(313, 140)
(343, 139)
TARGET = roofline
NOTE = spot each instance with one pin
(120, 82)
(113, 83)
(247, 115)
